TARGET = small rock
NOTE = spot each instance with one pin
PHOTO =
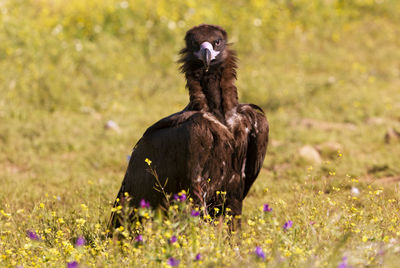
(281, 167)
(329, 149)
(375, 121)
(276, 143)
(391, 135)
(323, 125)
(111, 125)
(309, 153)
(355, 191)
(331, 80)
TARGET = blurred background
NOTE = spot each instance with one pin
(80, 81)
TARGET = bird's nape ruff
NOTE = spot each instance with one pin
(214, 144)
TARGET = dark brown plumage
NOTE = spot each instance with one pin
(214, 137)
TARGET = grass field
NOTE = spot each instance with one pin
(327, 74)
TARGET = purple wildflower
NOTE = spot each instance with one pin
(72, 264)
(198, 257)
(260, 253)
(344, 263)
(80, 241)
(144, 204)
(267, 208)
(173, 239)
(139, 238)
(173, 262)
(180, 197)
(32, 235)
(287, 225)
(195, 213)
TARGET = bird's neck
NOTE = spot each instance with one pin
(214, 91)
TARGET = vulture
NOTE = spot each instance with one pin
(214, 145)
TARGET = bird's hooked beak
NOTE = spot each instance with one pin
(206, 54)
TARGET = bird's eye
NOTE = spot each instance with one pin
(194, 43)
(218, 42)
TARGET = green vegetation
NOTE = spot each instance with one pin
(326, 72)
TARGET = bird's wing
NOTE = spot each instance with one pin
(164, 145)
(182, 147)
(257, 142)
(170, 121)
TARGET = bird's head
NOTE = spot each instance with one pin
(205, 46)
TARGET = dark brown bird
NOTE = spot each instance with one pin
(214, 144)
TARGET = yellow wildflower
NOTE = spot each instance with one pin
(148, 161)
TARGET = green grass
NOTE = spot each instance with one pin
(66, 69)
